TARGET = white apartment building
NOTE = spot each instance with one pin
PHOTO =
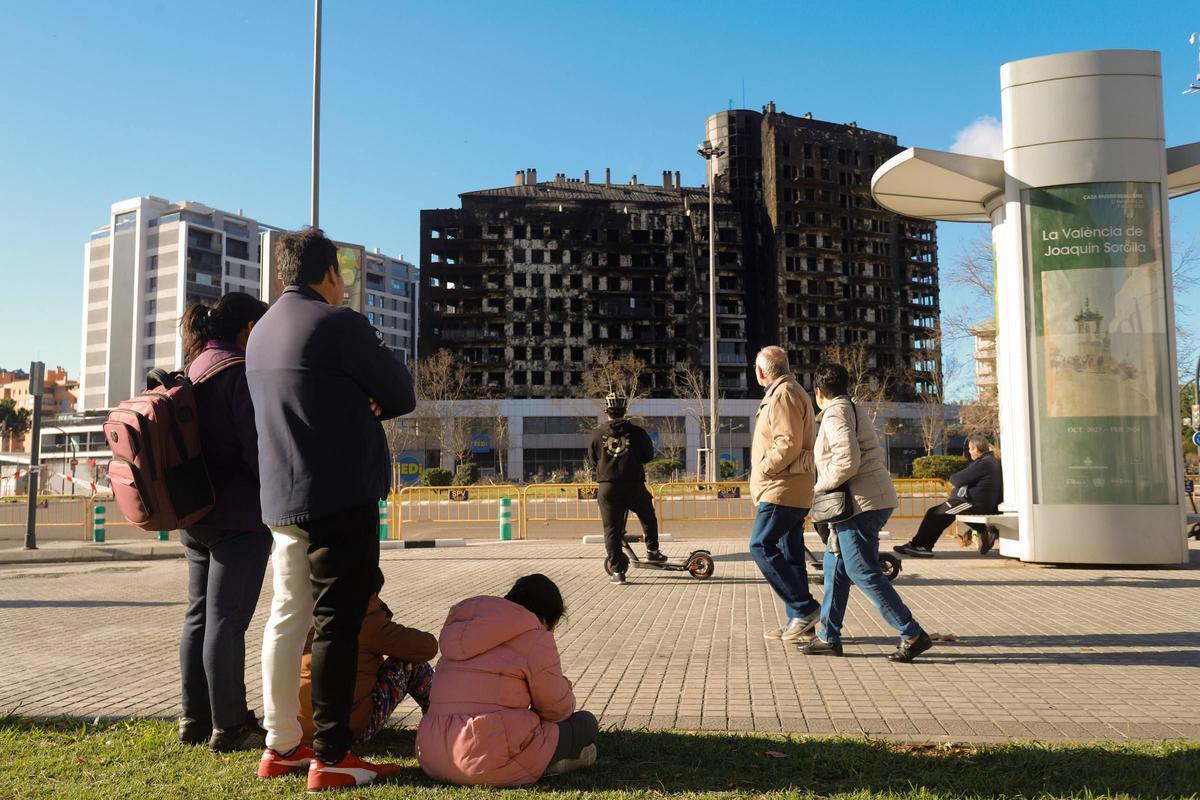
(154, 258)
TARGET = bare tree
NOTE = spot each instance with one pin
(691, 386)
(402, 433)
(442, 384)
(931, 406)
(616, 373)
(491, 409)
(869, 386)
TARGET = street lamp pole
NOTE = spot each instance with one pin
(316, 114)
(710, 151)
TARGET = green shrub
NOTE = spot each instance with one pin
(729, 470)
(468, 474)
(937, 466)
(662, 469)
(436, 476)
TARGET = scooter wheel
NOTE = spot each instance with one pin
(608, 570)
(700, 566)
(889, 565)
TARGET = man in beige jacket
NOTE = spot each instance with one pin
(781, 485)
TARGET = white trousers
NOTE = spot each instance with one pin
(284, 637)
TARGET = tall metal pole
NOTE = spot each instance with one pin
(37, 378)
(316, 114)
(712, 322)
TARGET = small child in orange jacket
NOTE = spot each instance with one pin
(501, 713)
(393, 662)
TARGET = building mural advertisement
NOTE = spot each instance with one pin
(1102, 377)
(350, 263)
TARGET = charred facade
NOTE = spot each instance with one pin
(526, 283)
(826, 265)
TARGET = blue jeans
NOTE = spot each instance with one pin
(858, 563)
(777, 546)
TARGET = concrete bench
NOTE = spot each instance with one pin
(1006, 525)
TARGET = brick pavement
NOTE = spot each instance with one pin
(1053, 654)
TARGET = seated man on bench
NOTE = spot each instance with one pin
(978, 489)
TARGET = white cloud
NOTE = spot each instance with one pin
(981, 138)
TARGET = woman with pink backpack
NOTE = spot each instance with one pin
(227, 550)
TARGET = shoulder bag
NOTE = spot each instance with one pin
(835, 505)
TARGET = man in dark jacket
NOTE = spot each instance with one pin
(321, 380)
(978, 489)
(617, 453)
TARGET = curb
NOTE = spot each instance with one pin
(56, 555)
(597, 538)
(391, 544)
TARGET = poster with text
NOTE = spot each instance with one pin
(1102, 377)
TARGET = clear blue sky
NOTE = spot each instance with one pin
(210, 102)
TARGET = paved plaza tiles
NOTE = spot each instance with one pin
(1041, 653)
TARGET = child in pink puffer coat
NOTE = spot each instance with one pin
(501, 713)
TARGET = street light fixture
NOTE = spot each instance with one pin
(709, 151)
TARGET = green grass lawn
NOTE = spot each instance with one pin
(140, 759)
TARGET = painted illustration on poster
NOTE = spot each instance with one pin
(1099, 353)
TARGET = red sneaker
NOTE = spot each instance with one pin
(275, 765)
(350, 771)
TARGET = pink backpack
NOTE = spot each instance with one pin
(157, 472)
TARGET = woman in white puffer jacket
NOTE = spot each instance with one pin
(847, 453)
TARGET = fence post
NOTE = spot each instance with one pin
(505, 519)
(98, 523)
(396, 512)
(383, 520)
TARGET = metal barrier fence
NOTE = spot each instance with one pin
(546, 503)
(918, 494)
(718, 501)
(558, 502)
(53, 511)
(451, 505)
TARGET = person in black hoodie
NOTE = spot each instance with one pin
(978, 489)
(617, 453)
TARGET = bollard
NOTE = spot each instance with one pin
(163, 536)
(383, 520)
(98, 524)
(505, 519)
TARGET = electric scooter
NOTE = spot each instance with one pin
(889, 564)
(698, 564)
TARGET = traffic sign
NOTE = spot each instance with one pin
(1196, 438)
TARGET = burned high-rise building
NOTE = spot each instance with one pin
(527, 283)
(524, 281)
(824, 264)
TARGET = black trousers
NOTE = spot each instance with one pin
(617, 499)
(343, 557)
(941, 517)
(225, 576)
(575, 733)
